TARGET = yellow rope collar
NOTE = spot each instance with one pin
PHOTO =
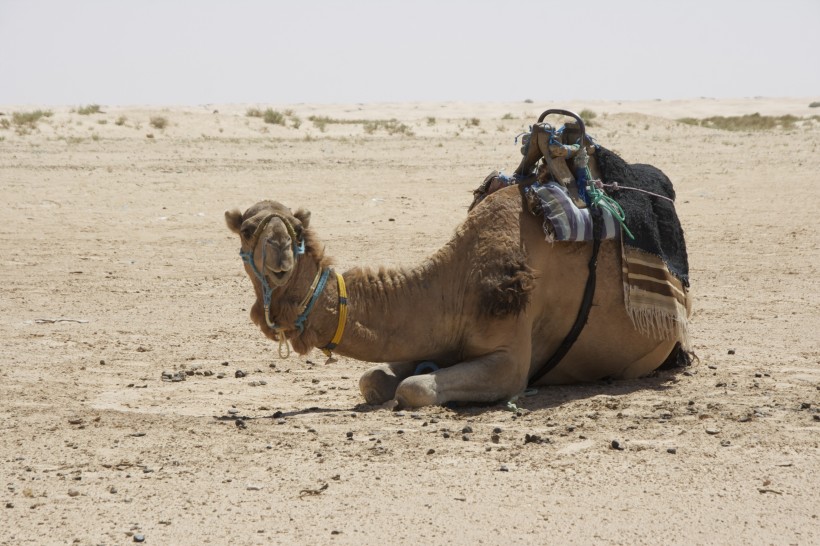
(340, 328)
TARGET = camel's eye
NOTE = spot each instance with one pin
(247, 232)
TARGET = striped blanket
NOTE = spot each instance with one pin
(563, 221)
(656, 300)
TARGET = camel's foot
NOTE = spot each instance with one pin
(379, 384)
(417, 391)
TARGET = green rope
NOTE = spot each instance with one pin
(601, 199)
(511, 403)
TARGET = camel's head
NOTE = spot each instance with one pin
(272, 238)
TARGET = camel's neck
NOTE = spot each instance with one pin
(393, 314)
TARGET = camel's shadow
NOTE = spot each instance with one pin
(545, 398)
(552, 396)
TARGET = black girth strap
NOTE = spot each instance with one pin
(586, 302)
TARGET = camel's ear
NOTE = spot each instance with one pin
(304, 216)
(234, 220)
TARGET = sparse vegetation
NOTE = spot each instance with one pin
(95, 137)
(749, 122)
(508, 115)
(149, 135)
(587, 115)
(392, 126)
(370, 126)
(158, 122)
(5, 123)
(89, 109)
(30, 118)
(528, 101)
(474, 122)
(321, 122)
(814, 105)
(102, 121)
(273, 117)
(121, 121)
(26, 122)
(431, 121)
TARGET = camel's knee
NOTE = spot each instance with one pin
(417, 391)
(378, 385)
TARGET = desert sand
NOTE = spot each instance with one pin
(117, 267)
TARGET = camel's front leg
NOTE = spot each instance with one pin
(495, 376)
(378, 384)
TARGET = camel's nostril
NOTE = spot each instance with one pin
(279, 274)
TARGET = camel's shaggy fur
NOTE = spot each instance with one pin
(489, 308)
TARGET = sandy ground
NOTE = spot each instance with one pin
(116, 266)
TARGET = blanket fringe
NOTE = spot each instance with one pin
(660, 323)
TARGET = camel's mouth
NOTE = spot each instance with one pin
(276, 278)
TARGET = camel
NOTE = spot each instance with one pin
(484, 312)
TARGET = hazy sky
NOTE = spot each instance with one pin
(179, 52)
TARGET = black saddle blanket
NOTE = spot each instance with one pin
(653, 221)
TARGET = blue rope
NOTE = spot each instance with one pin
(247, 257)
(428, 366)
(300, 320)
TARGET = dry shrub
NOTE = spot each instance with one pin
(748, 122)
(89, 109)
(159, 122)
